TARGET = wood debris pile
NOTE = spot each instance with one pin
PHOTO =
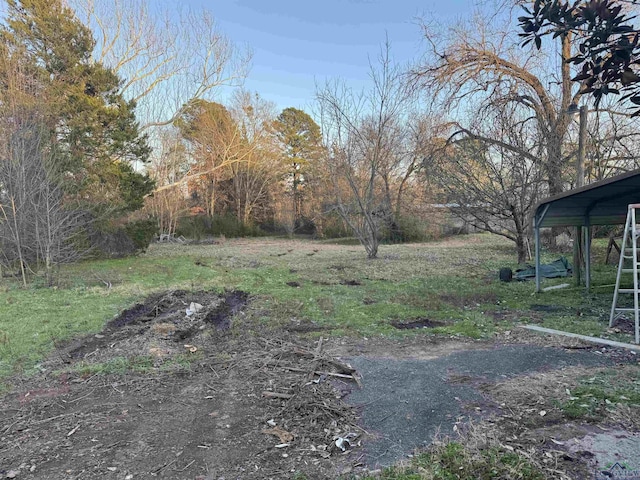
(305, 389)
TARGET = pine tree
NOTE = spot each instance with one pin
(93, 130)
(301, 139)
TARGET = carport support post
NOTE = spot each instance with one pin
(587, 257)
(578, 243)
(538, 217)
(577, 261)
(536, 231)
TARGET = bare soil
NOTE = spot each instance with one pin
(181, 387)
(196, 399)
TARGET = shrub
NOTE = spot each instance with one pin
(142, 232)
(200, 226)
(122, 239)
(195, 227)
(406, 229)
(332, 226)
(305, 226)
(111, 243)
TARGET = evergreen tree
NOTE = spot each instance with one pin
(301, 140)
(93, 130)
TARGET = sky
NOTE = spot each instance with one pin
(297, 44)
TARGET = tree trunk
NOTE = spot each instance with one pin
(212, 198)
(521, 247)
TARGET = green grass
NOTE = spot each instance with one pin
(453, 461)
(603, 391)
(452, 281)
(32, 320)
(134, 364)
(116, 366)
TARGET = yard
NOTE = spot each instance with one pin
(108, 376)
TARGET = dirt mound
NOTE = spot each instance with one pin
(157, 324)
(138, 401)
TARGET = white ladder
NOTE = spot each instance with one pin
(628, 252)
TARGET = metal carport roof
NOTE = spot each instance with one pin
(600, 203)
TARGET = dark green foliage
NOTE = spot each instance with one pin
(199, 227)
(229, 226)
(194, 228)
(130, 186)
(111, 243)
(117, 239)
(301, 139)
(88, 130)
(607, 38)
(271, 227)
(142, 232)
(304, 226)
(93, 132)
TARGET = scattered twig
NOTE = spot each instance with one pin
(113, 385)
(184, 468)
(276, 395)
(80, 398)
(73, 430)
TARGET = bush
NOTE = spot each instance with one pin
(200, 226)
(142, 232)
(121, 239)
(406, 229)
(305, 226)
(195, 228)
(111, 244)
(272, 227)
(229, 226)
(334, 227)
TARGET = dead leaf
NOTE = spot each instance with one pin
(283, 435)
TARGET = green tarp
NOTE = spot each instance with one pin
(559, 268)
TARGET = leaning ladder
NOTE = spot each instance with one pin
(628, 252)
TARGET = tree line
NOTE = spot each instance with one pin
(109, 133)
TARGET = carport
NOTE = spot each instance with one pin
(600, 203)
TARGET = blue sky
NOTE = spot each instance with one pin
(299, 43)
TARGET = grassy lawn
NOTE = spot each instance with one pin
(453, 281)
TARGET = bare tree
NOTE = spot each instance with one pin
(612, 142)
(478, 73)
(38, 229)
(167, 56)
(261, 164)
(489, 185)
(478, 66)
(361, 130)
(39, 225)
(168, 205)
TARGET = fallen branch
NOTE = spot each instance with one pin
(319, 372)
(286, 396)
(342, 367)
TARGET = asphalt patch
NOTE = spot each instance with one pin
(404, 403)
